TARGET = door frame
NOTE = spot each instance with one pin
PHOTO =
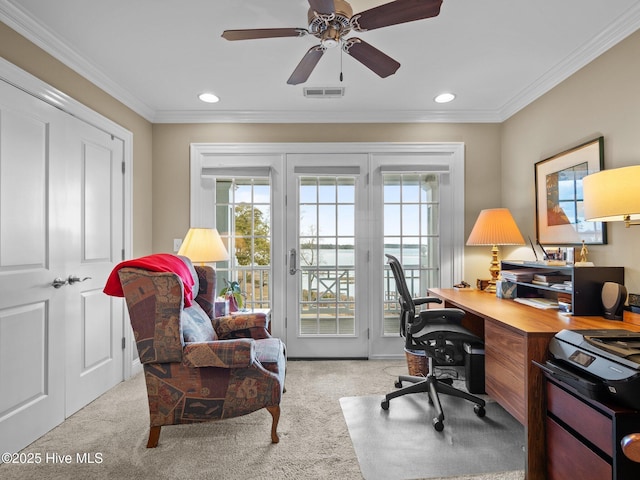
(274, 155)
(32, 85)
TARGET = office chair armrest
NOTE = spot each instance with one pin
(437, 316)
(423, 300)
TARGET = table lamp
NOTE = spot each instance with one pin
(203, 245)
(495, 226)
(613, 195)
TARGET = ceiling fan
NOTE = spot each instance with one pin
(332, 20)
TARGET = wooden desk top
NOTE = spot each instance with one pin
(526, 319)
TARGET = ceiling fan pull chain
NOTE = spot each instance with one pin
(341, 77)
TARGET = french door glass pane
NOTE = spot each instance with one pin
(243, 218)
(411, 233)
(327, 255)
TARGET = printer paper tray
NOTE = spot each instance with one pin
(583, 382)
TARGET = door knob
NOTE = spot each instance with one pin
(59, 282)
(75, 279)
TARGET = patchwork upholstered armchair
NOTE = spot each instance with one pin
(198, 368)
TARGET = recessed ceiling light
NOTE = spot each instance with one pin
(444, 98)
(208, 98)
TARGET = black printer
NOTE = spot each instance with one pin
(599, 364)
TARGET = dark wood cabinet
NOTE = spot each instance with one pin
(585, 294)
(583, 437)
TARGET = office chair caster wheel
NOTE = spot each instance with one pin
(438, 425)
(479, 411)
(385, 404)
(398, 384)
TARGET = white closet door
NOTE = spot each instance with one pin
(94, 188)
(61, 219)
(32, 245)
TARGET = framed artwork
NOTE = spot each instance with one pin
(559, 204)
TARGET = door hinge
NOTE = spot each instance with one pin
(123, 167)
(124, 342)
(285, 322)
(122, 254)
(368, 337)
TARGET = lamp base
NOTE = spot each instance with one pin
(583, 264)
(491, 288)
(494, 270)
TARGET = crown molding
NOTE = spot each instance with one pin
(36, 33)
(257, 116)
(625, 25)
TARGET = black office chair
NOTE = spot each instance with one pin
(437, 332)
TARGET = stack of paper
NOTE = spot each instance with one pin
(543, 303)
(548, 279)
(519, 274)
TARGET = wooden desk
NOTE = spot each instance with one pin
(514, 335)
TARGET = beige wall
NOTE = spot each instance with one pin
(601, 99)
(171, 165)
(32, 59)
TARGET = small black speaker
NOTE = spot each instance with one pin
(614, 296)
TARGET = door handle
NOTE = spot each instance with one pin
(293, 261)
(75, 279)
(59, 282)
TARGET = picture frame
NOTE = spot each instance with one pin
(559, 203)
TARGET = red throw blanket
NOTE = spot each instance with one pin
(159, 262)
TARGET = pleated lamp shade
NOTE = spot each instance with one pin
(495, 226)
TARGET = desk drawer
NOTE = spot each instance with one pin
(568, 458)
(504, 368)
(588, 422)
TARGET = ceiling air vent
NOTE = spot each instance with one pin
(323, 92)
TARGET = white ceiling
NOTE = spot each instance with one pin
(156, 56)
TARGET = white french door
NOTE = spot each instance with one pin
(327, 255)
(332, 217)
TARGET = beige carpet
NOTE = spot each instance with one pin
(314, 440)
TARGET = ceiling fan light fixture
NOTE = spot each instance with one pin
(444, 98)
(330, 38)
(208, 97)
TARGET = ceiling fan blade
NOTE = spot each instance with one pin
(322, 6)
(306, 65)
(253, 34)
(371, 57)
(393, 13)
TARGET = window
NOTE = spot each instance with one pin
(243, 218)
(411, 211)
(327, 255)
